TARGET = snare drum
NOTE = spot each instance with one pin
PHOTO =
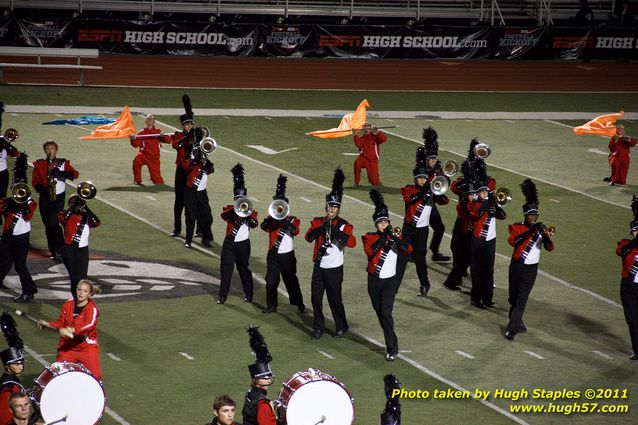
(312, 397)
(69, 390)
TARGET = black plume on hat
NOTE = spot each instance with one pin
(239, 186)
(431, 142)
(391, 415)
(531, 197)
(280, 190)
(634, 208)
(1, 111)
(335, 195)
(420, 167)
(20, 169)
(261, 367)
(380, 208)
(470, 153)
(188, 108)
(13, 354)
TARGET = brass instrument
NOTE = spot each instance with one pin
(86, 190)
(207, 145)
(439, 185)
(549, 230)
(243, 206)
(329, 229)
(52, 181)
(482, 150)
(396, 231)
(20, 192)
(278, 209)
(450, 168)
(503, 196)
(11, 134)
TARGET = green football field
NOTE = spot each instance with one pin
(168, 348)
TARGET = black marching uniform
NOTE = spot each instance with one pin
(627, 249)
(431, 141)
(196, 199)
(257, 409)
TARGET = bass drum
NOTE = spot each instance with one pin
(67, 393)
(312, 397)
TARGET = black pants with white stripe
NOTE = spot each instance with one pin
(438, 229)
(382, 293)
(418, 238)
(482, 257)
(49, 212)
(521, 282)
(197, 210)
(76, 261)
(330, 281)
(13, 251)
(235, 254)
(460, 247)
(178, 205)
(284, 265)
(629, 299)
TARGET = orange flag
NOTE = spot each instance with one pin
(121, 128)
(349, 122)
(602, 125)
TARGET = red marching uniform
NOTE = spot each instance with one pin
(628, 250)
(620, 157)
(149, 155)
(368, 146)
(83, 347)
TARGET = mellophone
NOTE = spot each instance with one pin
(311, 398)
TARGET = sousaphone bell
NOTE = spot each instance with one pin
(20, 192)
(243, 206)
(278, 209)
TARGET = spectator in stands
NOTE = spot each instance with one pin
(626, 16)
(585, 16)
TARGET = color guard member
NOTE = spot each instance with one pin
(148, 153)
(368, 145)
(619, 157)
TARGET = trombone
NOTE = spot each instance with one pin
(243, 206)
(278, 209)
(20, 192)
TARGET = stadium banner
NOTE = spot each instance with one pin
(520, 43)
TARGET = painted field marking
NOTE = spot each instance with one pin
(559, 123)
(511, 121)
(464, 354)
(305, 199)
(598, 151)
(150, 197)
(114, 357)
(269, 151)
(533, 354)
(601, 354)
(327, 355)
(351, 153)
(554, 200)
(107, 409)
(227, 117)
(187, 355)
(80, 127)
(309, 119)
(468, 120)
(268, 118)
(405, 351)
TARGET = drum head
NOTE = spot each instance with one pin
(76, 395)
(317, 400)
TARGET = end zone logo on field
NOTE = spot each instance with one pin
(119, 280)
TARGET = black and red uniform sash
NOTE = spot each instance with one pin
(40, 176)
(74, 223)
(180, 145)
(628, 250)
(13, 212)
(276, 230)
(414, 205)
(524, 240)
(317, 234)
(481, 213)
(234, 222)
(377, 245)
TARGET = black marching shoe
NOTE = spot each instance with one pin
(301, 308)
(389, 357)
(633, 356)
(316, 334)
(207, 243)
(478, 305)
(423, 291)
(174, 233)
(341, 333)
(24, 298)
(509, 335)
(440, 257)
(488, 303)
(451, 286)
(198, 234)
(522, 328)
(221, 300)
(187, 245)
(607, 179)
(248, 299)
(269, 310)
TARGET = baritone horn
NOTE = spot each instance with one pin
(278, 209)
(208, 145)
(11, 134)
(86, 190)
(450, 168)
(439, 185)
(503, 196)
(20, 192)
(243, 206)
(482, 150)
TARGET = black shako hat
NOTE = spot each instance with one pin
(335, 195)
(188, 108)
(531, 197)
(280, 190)
(261, 367)
(239, 186)
(380, 208)
(13, 354)
(431, 143)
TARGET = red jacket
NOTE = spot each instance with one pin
(274, 228)
(229, 216)
(10, 384)
(524, 240)
(150, 148)
(73, 224)
(40, 176)
(317, 234)
(368, 145)
(412, 201)
(629, 253)
(196, 171)
(182, 148)
(10, 210)
(480, 214)
(84, 326)
(619, 148)
(265, 414)
(375, 243)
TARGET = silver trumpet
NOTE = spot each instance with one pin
(243, 206)
(20, 192)
(450, 168)
(278, 209)
(482, 150)
(439, 185)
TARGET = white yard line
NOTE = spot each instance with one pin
(464, 354)
(601, 354)
(559, 123)
(305, 199)
(114, 357)
(44, 363)
(323, 353)
(533, 354)
(189, 357)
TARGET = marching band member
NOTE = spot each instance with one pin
(368, 145)
(77, 325)
(383, 247)
(49, 180)
(526, 237)
(224, 411)
(431, 139)
(6, 150)
(419, 201)
(484, 212)
(77, 220)
(13, 363)
(236, 246)
(619, 157)
(331, 234)
(462, 231)
(148, 153)
(197, 205)
(627, 249)
(281, 259)
(14, 244)
(258, 409)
